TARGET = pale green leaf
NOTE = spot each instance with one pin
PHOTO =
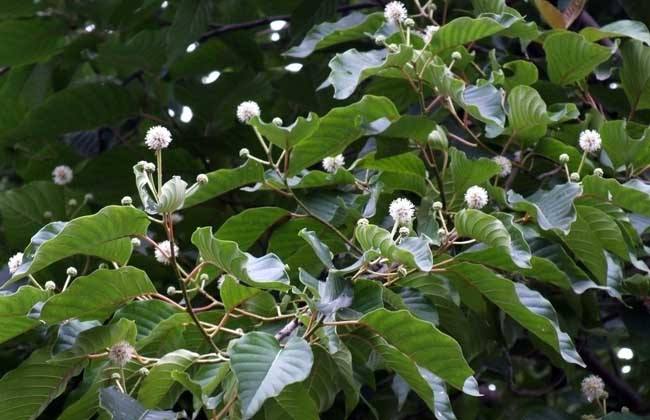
(411, 251)
(571, 58)
(14, 309)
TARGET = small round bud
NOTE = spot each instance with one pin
(362, 222)
(239, 331)
(438, 139)
(47, 214)
(127, 201)
(380, 39)
(72, 202)
(116, 376)
(71, 271)
(143, 371)
(50, 285)
(404, 231)
(456, 56)
(393, 47)
(575, 177)
(171, 290)
(598, 172)
(564, 158)
(135, 242)
(409, 23)
(402, 271)
(244, 153)
(277, 121)
(89, 197)
(202, 179)
(204, 277)
(149, 167)
(437, 205)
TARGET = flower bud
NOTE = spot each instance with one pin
(456, 56)
(89, 197)
(380, 39)
(116, 376)
(204, 277)
(171, 290)
(564, 158)
(598, 172)
(402, 271)
(575, 177)
(393, 47)
(409, 23)
(71, 271)
(47, 214)
(277, 121)
(404, 231)
(437, 205)
(244, 153)
(127, 201)
(135, 242)
(143, 371)
(438, 139)
(72, 202)
(362, 222)
(50, 285)
(202, 179)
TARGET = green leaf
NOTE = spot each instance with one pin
(264, 272)
(29, 388)
(287, 137)
(320, 248)
(97, 339)
(104, 235)
(621, 28)
(340, 127)
(246, 227)
(172, 195)
(527, 114)
(30, 40)
(14, 309)
(605, 229)
(146, 314)
(412, 252)
(623, 149)
(528, 307)
(157, 383)
(224, 180)
(464, 30)
(349, 28)
(97, 295)
(583, 242)
(322, 382)
(80, 107)
(263, 369)
(491, 231)
(352, 67)
(293, 403)
(523, 73)
(190, 21)
(634, 195)
(424, 345)
(406, 163)
(234, 294)
(466, 172)
(121, 406)
(635, 75)
(571, 58)
(552, 209)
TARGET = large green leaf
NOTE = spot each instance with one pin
(80, 107)
(98, 339)
(635, 74)
(104, 234)
(322, 382)
(467, 172)
(412, 252)
(263, 368)
(293, 403)
(605, 229)
(246, 227)
(190, 21)
(408, 164)
(122, 407)
(552, 209)
(349, 28)
(528, 307)
(146, 314)
(571, 57)
(14, 309)
(583, 242)
(289, 136)
(464, 30)
(342, 126)
(623, 149)
(157, 383)
(491, 231)
(28, 389)
(350, 68)
(634, 195)
(264, 272)
(224, 180)
(29, 40)
(234, 294)
(97, 295)
(621, 28)
(424, 345)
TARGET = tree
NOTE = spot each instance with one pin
(453, 224)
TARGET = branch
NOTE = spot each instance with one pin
(266, 20)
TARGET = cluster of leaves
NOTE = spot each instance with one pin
(308, 300)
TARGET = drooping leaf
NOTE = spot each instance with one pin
(605, 229)
(320, 248)
(14, 309)
(464, 30)
(263, 369)
(412, 252)
(264, 272)
(234, 294)
(246, 227)
(634, 195)
(104, 234)
(528, 307)
(289, 136)
(623, 149)
(621, 28)
(571, 57)
(97, 295)
(156, 384)
(634, 74)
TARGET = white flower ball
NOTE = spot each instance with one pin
(476, 197)
(158, 138)
(163, 252)
(590, 141)
(15, 262)
(247, 110)
(121, 353)
(395, 12)
(332, 163)
(505, 165)
(62, 175)
(593, 388)
(401, 210)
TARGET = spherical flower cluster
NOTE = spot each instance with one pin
(126, 200)
(401, 210)
(163, 252)
(50, 285)
(593, 388)
(121, 353)
(505, 165)
(598, 172)
(395, 12)
(590, 141)
(202, 179)
(476, 197)
(158, 137)
(15, 262)
(332, 163)
(247, 110)
(62, 175)
(71, 271)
